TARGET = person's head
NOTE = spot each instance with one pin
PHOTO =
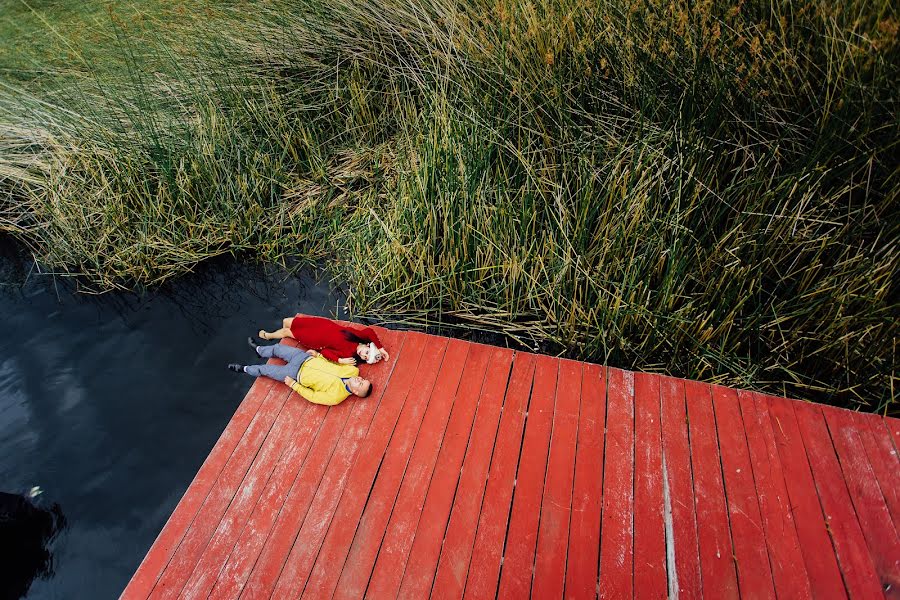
(368, 353)
(359, 386)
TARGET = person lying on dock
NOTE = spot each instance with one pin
(335, 342)
(316, 379)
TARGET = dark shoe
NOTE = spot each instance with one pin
(236, 367)
(251, 341)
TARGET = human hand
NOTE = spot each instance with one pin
(384, 354)
(347, 361)
(313, 353)
(289, 381)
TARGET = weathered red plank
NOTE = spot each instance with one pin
(809, 495)
(714, 536)
(556, 507)
(270, 532)
(369, 533)
(587, 494)
(219, 497)
(617, 528)
(893, 426)
(453, 564)
(237, 514)
(753, 570)
(317, 487)
(311, 433)
(398, 538)
(426, 547)
(173, 532)
(856, 565)
(884, 460)
(518, 560)
(678, 492)
(785, 558)
(291, 473)
(323, 576)
(649, 525)
(871, 510)
(815, 540)
(487, 551)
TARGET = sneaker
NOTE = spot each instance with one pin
(236, 367)
(252, 343)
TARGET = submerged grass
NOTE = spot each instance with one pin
(706, 189)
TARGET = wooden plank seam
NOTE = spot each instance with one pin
(857, 569)
(515, 478)
(400, 529)
(577, 416)
(488, 547)
(459, 536)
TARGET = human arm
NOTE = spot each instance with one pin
(330, 354)
(314, 396)
(340, 361)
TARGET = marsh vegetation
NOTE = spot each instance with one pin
(702, 188)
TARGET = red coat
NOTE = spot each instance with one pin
(332, 340)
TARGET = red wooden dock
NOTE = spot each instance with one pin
(479, 472)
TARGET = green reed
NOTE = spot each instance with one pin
(709, 192)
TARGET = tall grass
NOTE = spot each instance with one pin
(707, 188)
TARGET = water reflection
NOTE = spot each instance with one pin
(110, 403)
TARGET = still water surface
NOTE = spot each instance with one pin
(111, 403)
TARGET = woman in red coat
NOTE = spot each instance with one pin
(335, 342)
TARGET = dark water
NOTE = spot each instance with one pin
(111, 403)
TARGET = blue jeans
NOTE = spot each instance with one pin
(294, 357)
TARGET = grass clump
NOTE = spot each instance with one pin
(706, 189)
